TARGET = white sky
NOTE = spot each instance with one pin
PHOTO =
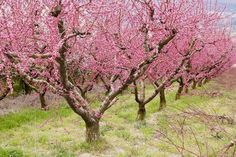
(228, 1)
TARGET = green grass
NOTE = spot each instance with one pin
(10, 152)
(60, 132)
(29, 115)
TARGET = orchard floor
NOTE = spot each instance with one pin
(202, 123)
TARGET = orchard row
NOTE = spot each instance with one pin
(73, 48)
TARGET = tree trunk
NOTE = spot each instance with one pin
(25, 87)
(206, 80)
(186, 90)
(162, 99)
(108, 90)
(141, 112)
(194, 84)
(4, 93)
(180, 90)
(44, 105)
(83, 94)
(92, 132)
(200, 83)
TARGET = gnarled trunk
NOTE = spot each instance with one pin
(180, 90)
(141, 112)
(194, 84)
(186, 90)
(200, 83)
(83, 94)
(4, 93)
(25, 87)
(206, 80)
(92, 132)
(44, 105)
(162, 99)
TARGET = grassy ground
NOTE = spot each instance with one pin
(60, 133)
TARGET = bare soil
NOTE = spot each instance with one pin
(13, 104)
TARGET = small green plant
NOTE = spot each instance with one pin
(11, 153)
(98, 146)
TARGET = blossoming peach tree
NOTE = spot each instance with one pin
(204, 41)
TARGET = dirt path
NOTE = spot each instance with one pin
(227, 81)
(13, 104)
